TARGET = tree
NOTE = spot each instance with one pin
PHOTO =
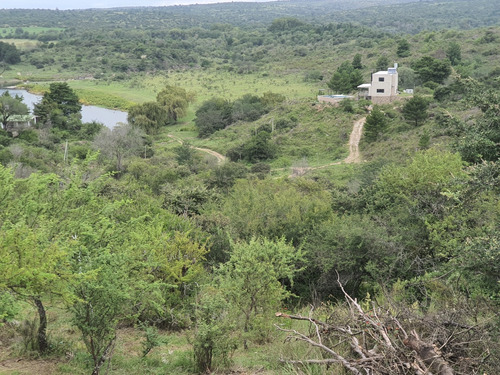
(406, 78)
(375, 124)
(253, 278)
(454, 53)
(403, 49)
(382, 63)
(248, 108)
(11, 106)
(101, 302)
(345, 79)
(415, 110)
(33, 253)
(64, 98)
(259, 148)
(356, 61)
(119, 142)
(149, 117)
(60, 107)
(429, 69)
(214, 114)
(9, 53)
(175, 100)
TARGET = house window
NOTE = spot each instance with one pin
(381, 79)
(381, 91)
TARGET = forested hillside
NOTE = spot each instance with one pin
(235, 224)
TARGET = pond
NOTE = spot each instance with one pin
(108, 117)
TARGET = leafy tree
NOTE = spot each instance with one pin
(429, 69)
(248, 108)
(11, 106)
(418, 197)
(403, 48)
(382, 63)
(259, 148)
(454, 53)
(406, 78)
(415, 110)
(345, 79)
(213, 340)
(149, 117)
(375, 124)
(175, 100)
(63, 97)
(9, 53)
(59, 106)
(252, 280)
(32, 252)
(286, 24)
(101, 302)
(214, 114)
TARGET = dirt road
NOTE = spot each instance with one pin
(354, 156)
(220, 158)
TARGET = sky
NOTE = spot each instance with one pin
(86, 4)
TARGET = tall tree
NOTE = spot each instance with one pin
(454, 53)
(149, 116)
(415, 110)
(430, 69)
(9, 53)
(382, 63)
(252, 278)
(175, 100)
(345, 79)
(59, 106)
(33, 254)
(403, 49)
(375, 124)
(356, 61)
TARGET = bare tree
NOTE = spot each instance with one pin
(121, 141)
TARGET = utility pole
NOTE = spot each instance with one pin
(66, 151)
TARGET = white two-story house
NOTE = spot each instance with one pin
(383, 88)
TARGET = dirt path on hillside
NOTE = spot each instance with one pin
(220, 158)
(354, 156)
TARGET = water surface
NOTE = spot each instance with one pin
(107, 117)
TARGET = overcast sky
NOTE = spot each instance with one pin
(85, 4)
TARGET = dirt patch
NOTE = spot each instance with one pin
(28, 366)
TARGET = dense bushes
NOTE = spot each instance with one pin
(217, 114)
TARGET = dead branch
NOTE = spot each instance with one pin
(336, 357)
(429, 355)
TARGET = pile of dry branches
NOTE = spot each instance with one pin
(367, 339)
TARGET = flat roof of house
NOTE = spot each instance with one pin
(365, 86)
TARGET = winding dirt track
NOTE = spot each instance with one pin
(220, 158)
(353, 157)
